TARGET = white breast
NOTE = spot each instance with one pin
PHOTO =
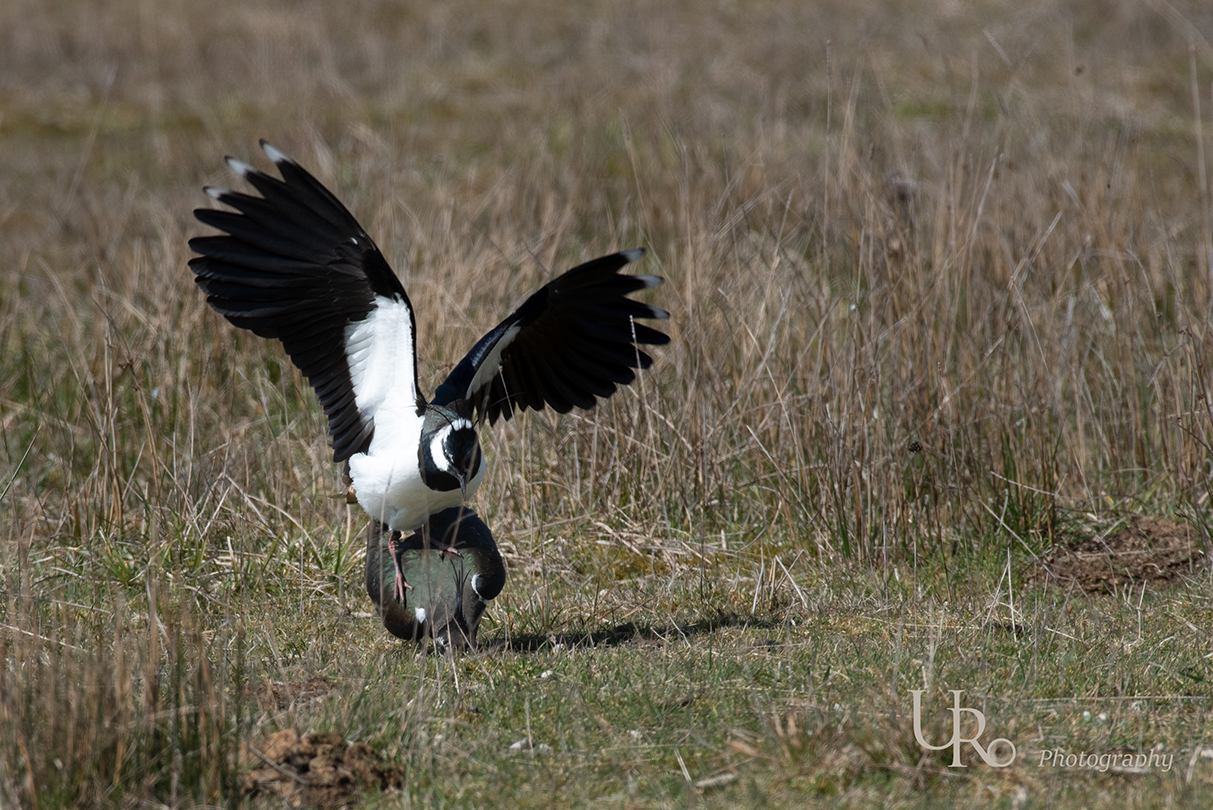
(387, 478)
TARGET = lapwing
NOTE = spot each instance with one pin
(448, 593)
(294, 265)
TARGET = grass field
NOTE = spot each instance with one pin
(941, 285)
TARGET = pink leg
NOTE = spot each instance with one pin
(400, 584)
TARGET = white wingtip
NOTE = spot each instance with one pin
(216, 192)
(239, 166)
(273, 154)
(650, 281)
(632, 255)
(419, 614)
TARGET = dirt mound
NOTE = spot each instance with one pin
(1141, 549)
(313, 770)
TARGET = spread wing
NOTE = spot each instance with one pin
(294, 265)
(572, 342)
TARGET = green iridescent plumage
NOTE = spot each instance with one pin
(449, 591)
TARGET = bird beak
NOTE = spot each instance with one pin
(463, 485)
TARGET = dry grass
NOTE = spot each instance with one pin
(939, 277)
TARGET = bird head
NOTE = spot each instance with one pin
(450, 449)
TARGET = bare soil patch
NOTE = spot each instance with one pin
(1142, 549)
(313, 770)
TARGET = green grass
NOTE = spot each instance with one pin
(940, 284)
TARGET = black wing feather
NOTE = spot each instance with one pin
(569, 344)
(294, 264)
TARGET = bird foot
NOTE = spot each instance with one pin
(443, 548)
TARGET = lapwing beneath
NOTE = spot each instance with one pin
(448, 593)
(294, 265)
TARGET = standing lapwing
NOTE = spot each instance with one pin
(448, 593)
(294, 264)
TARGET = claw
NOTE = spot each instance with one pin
(436, 545)
(443, 548)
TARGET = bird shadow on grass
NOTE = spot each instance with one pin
(620, 634)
